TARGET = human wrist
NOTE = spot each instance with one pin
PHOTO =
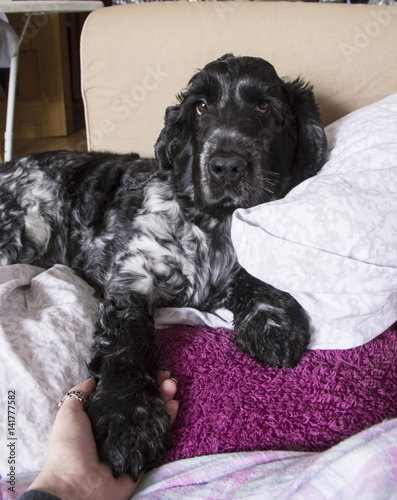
(53, 484)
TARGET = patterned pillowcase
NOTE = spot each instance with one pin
(332, 241)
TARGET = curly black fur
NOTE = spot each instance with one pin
(148, 234)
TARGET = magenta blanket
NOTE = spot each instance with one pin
(229, 402)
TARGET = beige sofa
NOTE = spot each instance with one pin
(136, 58)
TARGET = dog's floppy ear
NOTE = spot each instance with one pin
(311, 146)
(170, 138)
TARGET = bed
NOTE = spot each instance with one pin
(325, 429)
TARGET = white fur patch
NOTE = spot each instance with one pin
(169, 259)
(34, 199)
(259, 309)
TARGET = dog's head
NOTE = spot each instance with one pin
(241, 136)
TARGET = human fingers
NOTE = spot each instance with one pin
(76, 394)
(121, 487)
(87, 387)
(125, 486)
(163, 375)
(172, 408)
(168, 389)
(72, 421)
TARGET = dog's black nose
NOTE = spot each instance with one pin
(227, 169)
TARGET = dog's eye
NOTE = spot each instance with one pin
(263, 107)
(201, 108)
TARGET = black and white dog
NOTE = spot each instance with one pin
(149, 233)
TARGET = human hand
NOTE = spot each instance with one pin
(72, 469)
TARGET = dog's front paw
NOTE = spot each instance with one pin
(131, 428)
(276, 332)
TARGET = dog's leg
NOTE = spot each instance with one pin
(269, 324)
(129, 419)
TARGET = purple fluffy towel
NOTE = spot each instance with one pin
(229, 402)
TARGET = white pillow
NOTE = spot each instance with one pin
(332, 241)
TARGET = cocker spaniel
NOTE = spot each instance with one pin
(154, 233)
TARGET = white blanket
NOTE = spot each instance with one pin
(46, 328)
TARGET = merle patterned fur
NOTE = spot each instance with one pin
(149, 233)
